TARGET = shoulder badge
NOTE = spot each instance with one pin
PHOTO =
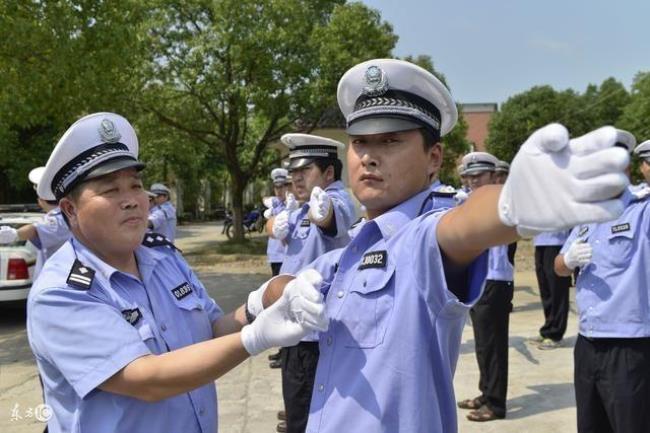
(152, 240)
(81, 276)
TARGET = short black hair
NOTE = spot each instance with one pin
(323, 163)
(428, 138)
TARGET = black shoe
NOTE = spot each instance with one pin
(274, 356)
(282, 415)
(275, 364)
(281, 427)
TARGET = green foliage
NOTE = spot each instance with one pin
(526, 112)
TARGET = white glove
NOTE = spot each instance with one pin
(8, 235)
(290, 202)
(460, 196)
(556, 183)
(320, 205)
(281, 225)
(299, 311)
(271, 202)
(578, 254)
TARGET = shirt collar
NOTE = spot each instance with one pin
(146, 258)
(396, 218)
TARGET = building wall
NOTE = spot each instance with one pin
(478, 118)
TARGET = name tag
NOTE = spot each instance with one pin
(182, 291)
(305, 222)
(374, 259)
(620, 228)
(132, 316)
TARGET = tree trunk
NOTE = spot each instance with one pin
(237, 190)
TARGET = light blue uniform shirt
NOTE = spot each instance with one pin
(613, 290)
(52, 233)
(548, 239)
(81, 337)
(163, 219)
(306, 241)
(275, 248)
(499, 266)
(388, 358)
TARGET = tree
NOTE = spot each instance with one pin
(58, 61)
(526, 112)
(234, 75)
(636, 114)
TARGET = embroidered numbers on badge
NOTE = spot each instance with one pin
(305, 223)
(182, 291)
(132, 316)
(374, 259)
(620, 228)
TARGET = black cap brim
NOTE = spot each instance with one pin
(297, 163)
(112, 166)
(381, 125)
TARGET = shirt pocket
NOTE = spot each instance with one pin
(196, 319)
(620, 247)
(148, 337)
(368, 307)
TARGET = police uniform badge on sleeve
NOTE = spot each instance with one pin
(80, 276)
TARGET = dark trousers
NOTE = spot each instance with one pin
(298, 373)
(490, 319)
(612, 382)
(275, 268)
(554, 291)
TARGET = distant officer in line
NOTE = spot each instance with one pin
(398, 294)
(642, 151)
(320, 225)
(47, 235)
(491, 314)
(162, 216)
(275, 204)
(553, 289)
(125, 336)
(612, 352)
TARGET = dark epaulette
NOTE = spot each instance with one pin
(152, 240)
(443, 194)
(81, 276)
(356, 223)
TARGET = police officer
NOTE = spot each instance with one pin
(553, 289)
(612, 352)
(46, 235)
(321, 224)
(398, 294)
(491, 314)
(124, 334)
(643, 152)
(275, 204)
(162, 216)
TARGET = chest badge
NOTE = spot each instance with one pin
(374, 259)
(182, 291)
(305, 222)
(132, 316)
(621, 228)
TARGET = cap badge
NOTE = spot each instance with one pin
(109, 132)
(376, 81)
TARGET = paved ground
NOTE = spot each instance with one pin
(540, 395)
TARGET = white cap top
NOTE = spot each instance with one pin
(304, 148)
(36, 174)
(93, 146)
(159, 188)
(643, 149)
(477, 162)
(389, 95)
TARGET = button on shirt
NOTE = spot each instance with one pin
(388, 358)
(80, 338)
(163, 219)
(275, 248)
(52, 233)
(612, 291)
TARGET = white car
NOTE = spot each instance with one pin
(17, 260)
